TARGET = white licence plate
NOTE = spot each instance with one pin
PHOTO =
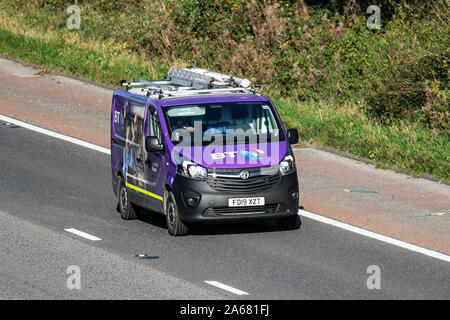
(246, 202)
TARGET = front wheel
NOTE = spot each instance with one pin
(126, 208)
(175, 226)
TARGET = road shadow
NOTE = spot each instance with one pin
(148, 216)
(203, 229)
(262, 226)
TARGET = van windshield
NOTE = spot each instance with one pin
(222, 123)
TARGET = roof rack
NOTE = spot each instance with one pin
(187, 82)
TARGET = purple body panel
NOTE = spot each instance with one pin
(219, 157)
(236, 156)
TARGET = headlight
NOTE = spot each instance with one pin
(193, 170)
(287, 165)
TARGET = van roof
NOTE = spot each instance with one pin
(212, 98)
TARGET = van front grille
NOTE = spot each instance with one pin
(238, 185)
(232, 211)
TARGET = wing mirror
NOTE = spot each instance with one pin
(152, 144)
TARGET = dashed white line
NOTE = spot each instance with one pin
(55, 134)
(374, 235)
(82, 234)
(227, 288)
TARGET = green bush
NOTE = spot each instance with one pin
(310, 50)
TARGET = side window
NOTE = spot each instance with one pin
(134, 135)
(154, 125)
(135, 123)
(120, 114)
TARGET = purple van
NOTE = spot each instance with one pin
(200, 146)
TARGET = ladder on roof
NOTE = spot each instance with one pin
(189, 81)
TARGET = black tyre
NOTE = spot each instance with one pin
(175, 226)
(126, 208)
(288, 223)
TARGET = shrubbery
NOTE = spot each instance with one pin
(310, 50)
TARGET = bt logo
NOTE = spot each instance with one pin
(252, 155)
(221, 155)
(119, 117)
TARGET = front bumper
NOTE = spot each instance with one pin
(212, 204)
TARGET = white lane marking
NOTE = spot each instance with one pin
(55, 134)
(373, 235)
(227, 288)
(310, 215)
(82, 234)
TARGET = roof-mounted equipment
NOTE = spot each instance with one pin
(189, 81)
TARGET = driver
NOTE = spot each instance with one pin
(187, 125)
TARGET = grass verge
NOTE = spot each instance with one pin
(407, 146)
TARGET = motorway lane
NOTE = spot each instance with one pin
(58, 185)
(35, 260)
